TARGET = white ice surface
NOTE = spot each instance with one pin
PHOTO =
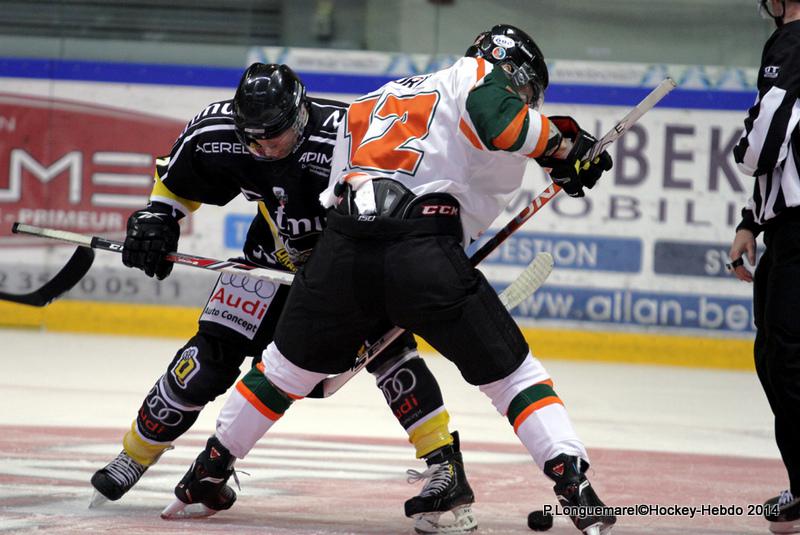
(99, 381)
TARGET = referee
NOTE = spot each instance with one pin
(769, 151)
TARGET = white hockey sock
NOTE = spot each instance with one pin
(240, 425)
(547, 432)
(533, 408)
(260, 399)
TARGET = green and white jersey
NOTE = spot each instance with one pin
(461, 130)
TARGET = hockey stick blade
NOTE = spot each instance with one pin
(530, 280)
(69, 275)
(104, 244)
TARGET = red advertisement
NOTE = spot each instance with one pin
(76, 166)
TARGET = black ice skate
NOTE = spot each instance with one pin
(446, 490)
(204, 484)
(573, 489)
(115, 479)
(783, 513)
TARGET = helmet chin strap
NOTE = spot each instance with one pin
(765, 10)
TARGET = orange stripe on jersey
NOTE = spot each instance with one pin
(470, 135)
(255, 402)
(511, 133)
(541, 143)
(481, 68)
(260, 367)
(530, 409)
(352, 176)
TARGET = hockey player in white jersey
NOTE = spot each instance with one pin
(421, 167)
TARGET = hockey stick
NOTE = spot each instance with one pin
(96, 242)
(69, 275)
(328, 386)
(647, 103)
(530, 280)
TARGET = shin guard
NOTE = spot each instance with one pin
(526, 397)
(413, 395)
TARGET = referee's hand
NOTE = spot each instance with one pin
(743, 243)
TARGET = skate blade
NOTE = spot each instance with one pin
(598, 529)
(97, 500)
(178, 510)
(785, 527)
(462, 521)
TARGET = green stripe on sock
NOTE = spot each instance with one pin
(527, 397)
(265, 391)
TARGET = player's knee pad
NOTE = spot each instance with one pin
(163, 416)
(288, 377)
(410, 390)
(206, 367)
(518, 386)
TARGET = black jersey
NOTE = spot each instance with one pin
(208, 165)
(770, 147)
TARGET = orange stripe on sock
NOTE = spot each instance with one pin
(550, 400)
(260, 367)
(255, 402)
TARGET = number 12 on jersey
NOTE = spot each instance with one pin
(381, 131)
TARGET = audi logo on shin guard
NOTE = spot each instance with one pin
(400, 383)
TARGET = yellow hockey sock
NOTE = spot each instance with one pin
(431, 435)
(141, 451)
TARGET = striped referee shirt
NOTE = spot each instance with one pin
(769, 149)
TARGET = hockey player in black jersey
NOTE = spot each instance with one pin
(272, 144)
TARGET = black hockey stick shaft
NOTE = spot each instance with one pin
(104, 244)
(69, 275)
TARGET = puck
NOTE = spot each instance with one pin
(540, 521)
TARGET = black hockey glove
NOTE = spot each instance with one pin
(572, 173)
(152, 232)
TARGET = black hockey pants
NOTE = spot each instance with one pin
(777, 346)
(366, 274)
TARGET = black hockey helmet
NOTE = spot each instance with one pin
(269, 100)
(517, 53)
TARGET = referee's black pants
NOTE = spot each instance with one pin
(365, 276)
(777, 347)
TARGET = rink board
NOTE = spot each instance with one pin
(181, 322)
(639, 262)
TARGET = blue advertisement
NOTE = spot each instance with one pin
(235, 230)
(594, 253)
(639, 308)
(692, 258)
